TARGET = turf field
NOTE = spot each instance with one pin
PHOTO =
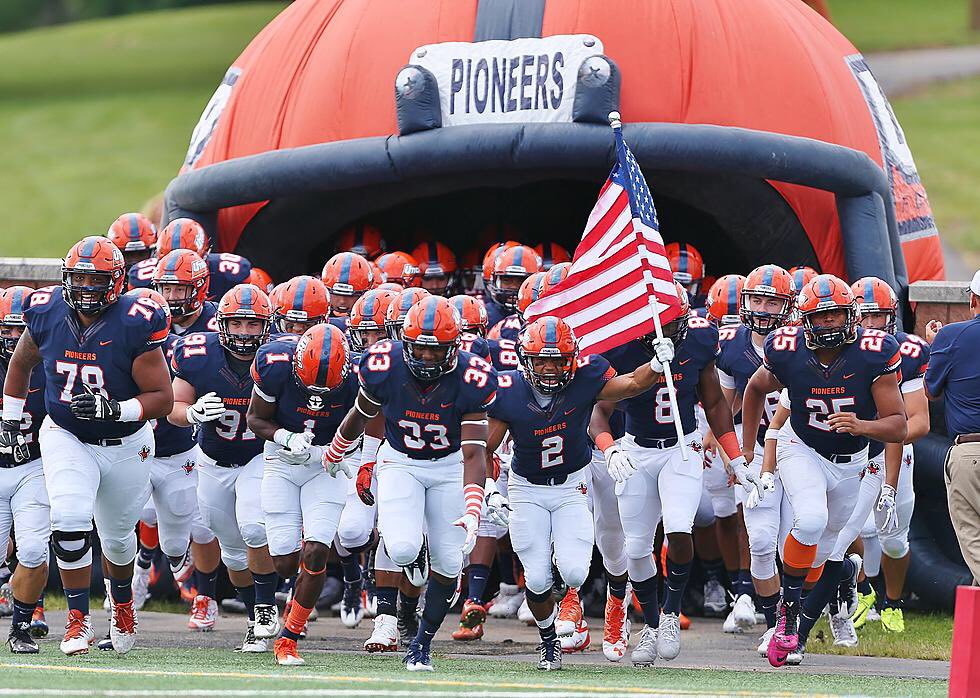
(885, 25)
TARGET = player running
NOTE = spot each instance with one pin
(105, 376)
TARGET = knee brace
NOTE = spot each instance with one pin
(638, 548)
(535, 596)
(367, 544)
(72, 548)
(641, 568)
(254, 535)
(763, 566)
(31, 555)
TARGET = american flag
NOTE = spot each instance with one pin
(617, 268)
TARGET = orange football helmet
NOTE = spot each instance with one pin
(438, 266)
(724, 300)
(93, 274)
(875, 297)
(687, 265)
(471, 267)
(510, 268)
(260, 277)
(472, 313)
(826, 293)
(551, 253)
(802, 275)
(150, 294)
(555, 275)
(183, 234)
(321, 362)
(767, 298)
(13, 302)
(361, 238)
(347, 276)
(547, 352)
(431, 338)
(403, 302)
(490, 256)
(301, 303)
(367, 318)
(390, 286)
(400, 268)
(134, 235)
(533, 288)
(244, 302)
(182, 268)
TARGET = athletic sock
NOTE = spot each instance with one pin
(546, 627)
(437, 598)
(792, 587)
(295, 620)
(121, 590)
(247, 595)
(768, 605)
(265, 588)
(505, 563)
(386, 600)
(617, 589)
(822, 593)
(713, 569)
(864, 586)
(477, 576)
(77, 600)
(677, 574)
(22, 614)
(743, 584)
(646, 594)
(40, 601)
(894, 603)
(409, 604)
(206, 583)
(351, 568)
(144, 558)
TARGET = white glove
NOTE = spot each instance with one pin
(618, 464)
(295, 447)
(338, 467)
(746, 478)
(470, 524)
(663, 350)
(765, 483)
(886, 504)
(207, 409)
(497, 506)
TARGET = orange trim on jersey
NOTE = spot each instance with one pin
(149, 536)
(797, 555)
(159, 335)
(255, 374)
(609, 374)
(604, 441)
(814, 574)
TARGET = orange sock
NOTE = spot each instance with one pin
(149, 536)
(814, 574)
(797, 555)
(298, 615)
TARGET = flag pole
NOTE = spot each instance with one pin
(615, 121)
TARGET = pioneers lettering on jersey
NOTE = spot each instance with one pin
(817, 391)
(422, 420)
(100, 358)
(505, 81)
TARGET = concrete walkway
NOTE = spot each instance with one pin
(899, 72)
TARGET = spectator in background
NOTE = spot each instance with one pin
(954, 374)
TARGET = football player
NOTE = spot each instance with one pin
(400, 268)
(260, 277)
(302, 391)
(687, 266)
(843, 389)
(135, 236)
(546, 406)
(511, 266)
(226, 270)
(361, 238)
(551, 253)
(531, 289)
(432, 464)
(437, 264)
(665, 483)
(23, 498)
(301, 303)
(105, 377)
(212, 386)
(347, 277)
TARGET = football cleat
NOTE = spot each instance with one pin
(507, 601)
(384, 637)
(418, 658)
(669, 636)
(645, 652)
(847, 593)
(729, 626)
(569, 614)
(795, 658)
(266, 621)
(578, 641)
(122, 630)
(474, 614)
(20, 641)
(549, 655)
(893, 620)
(105, 644)
(842, 628)
(743, 611)
(6, 600)
(39, 624)
(418, 571)
(351, 608)
(715, 603)
(204, 612)
(763, 648)
(286, 653)
(616, 628)
(252, 644)
(462, 634)
(524, 613)
(141, 587)
(865, 604)
(785, 638)
(78, 634)
(408, 625)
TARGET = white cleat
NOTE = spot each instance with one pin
(616, 629)
(384, 637)
(266, 621)
(579, 639)
(842, 628)
(669, 636)
(730, 626)
(743, 611)
(79, 634)
(6, 600)
(122, 630)
(351, 607)
(764, 642)
(141, 587)
(524, 613)
(507, 602)
(204, 612)
(252, 644)
(715, 602)
(645, 652)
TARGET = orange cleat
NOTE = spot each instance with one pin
(685, 622)
(474, 614)
(286, 653)
(464, 634)
(616, 630)
(569, 613)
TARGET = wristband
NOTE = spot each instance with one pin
(281, 437)
(772, 434)
(13, 408)
(369, 448)
(131, 410)
(729, 444)
(338, 448)
(473, 497)
(604, 440)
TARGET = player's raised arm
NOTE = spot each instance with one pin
(26, 356)
(760, 384)
(890, 425)
(640, 380)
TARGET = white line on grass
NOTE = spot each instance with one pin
(339, 692)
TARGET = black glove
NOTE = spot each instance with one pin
(12, 442)
(95, 406)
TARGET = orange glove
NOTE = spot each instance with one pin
(364, 476)
(495, 462)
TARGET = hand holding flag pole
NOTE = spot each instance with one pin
(615, 121)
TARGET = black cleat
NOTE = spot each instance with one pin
(20, 641)
(550, 655)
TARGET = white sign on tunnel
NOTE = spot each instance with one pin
(507, 81)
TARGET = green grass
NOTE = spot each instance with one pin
(883, 25)
(96, 116)
(175, 671)
(55, 601)
(926, 636)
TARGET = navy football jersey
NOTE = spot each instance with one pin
(140, 275)
(475, 344)
(227, 270)
(503, 354)
(200, 360)
(100, 357)
(554, 440)
(207, 321)
(495, 311)
(648, 416)
(296, 409)
(915, 361)
(340, 322)
(508, 328)
(422, 419)
(739, 359)
(817, 391)
(34, 411)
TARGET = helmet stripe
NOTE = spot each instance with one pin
(433, 253)
(370, 302)
(88, 249)
(134, 228)
(682, 262)
(429, 318)
(298, 297)
(17, 301)
(767, 273)
(246, 299)
(733, 293)
(823, 287)
(323, 365)
(345, 264)
(172, 264)
(869, 292)
(518, 256)
(550, 331)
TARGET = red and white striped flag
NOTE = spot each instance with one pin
(617, 268)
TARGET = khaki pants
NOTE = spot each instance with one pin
(963, 492)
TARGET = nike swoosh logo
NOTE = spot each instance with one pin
(569, 411)
(33, 390)
(102, 344)
(333, 407)
(445, 404)
(684, 362)
(848, 375)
